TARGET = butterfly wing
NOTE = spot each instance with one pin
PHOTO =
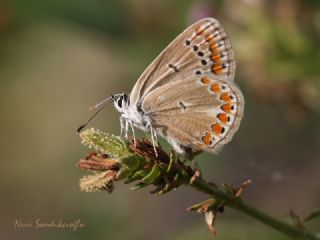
(202, 48)
(199, 113)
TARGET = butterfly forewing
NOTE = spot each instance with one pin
(203, 48)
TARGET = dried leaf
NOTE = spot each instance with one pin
(210, 218)
(98, 162)
(97, 182)
(241, 189)
(202, 207)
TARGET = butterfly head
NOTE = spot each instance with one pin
(122, 102)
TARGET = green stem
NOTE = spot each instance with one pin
(239, 205)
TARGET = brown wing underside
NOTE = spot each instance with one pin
(202, 113)
(202, 48)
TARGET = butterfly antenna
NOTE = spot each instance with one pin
(98, 106)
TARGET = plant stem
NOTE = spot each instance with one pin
(239, 205)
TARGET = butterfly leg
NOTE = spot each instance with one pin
(121, 125)
(153, 136)
(133, 133)
(126, 129)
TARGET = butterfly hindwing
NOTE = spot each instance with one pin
(201, 113)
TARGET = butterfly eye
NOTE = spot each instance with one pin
(119, 102)
(125, 98)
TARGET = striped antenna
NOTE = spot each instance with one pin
(99, 106)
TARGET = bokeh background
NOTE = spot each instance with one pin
(59, 57)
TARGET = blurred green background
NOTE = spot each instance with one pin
(59, 57)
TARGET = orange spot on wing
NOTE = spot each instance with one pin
(226, 108)
(225, 97)
(216, 57)
(215, 87)
(208, 38)
(199, 30)
(205, 80)
(207, 139)
(217, 69)
(223, 117)
(213, 46)
(216, 128)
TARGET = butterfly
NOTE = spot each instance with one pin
(187, 94)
